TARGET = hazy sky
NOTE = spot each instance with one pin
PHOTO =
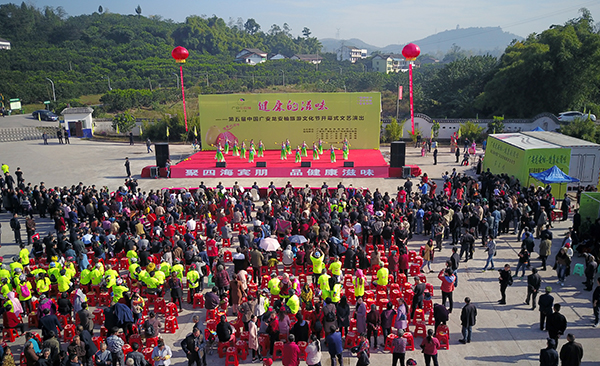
(378, 22)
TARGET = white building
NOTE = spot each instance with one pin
(78, 121)
(251, 56)
(351, 53)
(4, 44)
(312, 58)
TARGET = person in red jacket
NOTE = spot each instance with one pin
(447, 278)
(403, 262)
(291, 352)
(11, 321)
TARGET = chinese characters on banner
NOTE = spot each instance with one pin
(376, 172)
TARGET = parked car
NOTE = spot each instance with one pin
(44, 115)
(573, 115)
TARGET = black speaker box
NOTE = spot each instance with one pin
(261, 164)
(397, 154)
(161, 150)
(305, 164)
(222, 164)
(348, 164)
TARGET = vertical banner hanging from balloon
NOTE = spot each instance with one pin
(180, 54)
(411, 51)
(400, 92)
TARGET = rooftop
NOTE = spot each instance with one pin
(77, 110)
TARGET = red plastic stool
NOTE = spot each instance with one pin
(91, 298)
(22, 360)
(211, 314)
(408, 297)
(151, 342)
(69, 333)
(147, 352)
(429, 287)
(381, 294)
(431, 319)
(389, 342)
(171, 310)
(422, 277)
(264, 343)
(104, 299)
(227, 257)
(427, 305)
(226, 243)
(241, 350)
(33, 321)
(211, 325)
(97, 341)
(406, 286)
(444, 339)
(9, 335)
(302, 346)
(278, 350)
(126, 349)
(350, 340)
(352, 325)
(198, 301)
(222, 349)
(98, 316)
(103, 331)
(382, 304)
(302, 278)
(419, 316)
(160, 306)
(136, 338)
(420, 330)
(231, 357)
(410, 341)
(414, 269)
(171, 324)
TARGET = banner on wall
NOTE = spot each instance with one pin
(299, 117)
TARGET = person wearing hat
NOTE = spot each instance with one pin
(24, 290)
(548, 355)
(119, 289)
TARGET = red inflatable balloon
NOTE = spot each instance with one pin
(180, 54)
(411, 51)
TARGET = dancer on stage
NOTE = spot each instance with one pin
(320, 146)
(251, 153)
(332, 153)
(298, 155)
(235, 149)
(261, 149)
(220, 158)
(304, 147)
(243, 150)
(226, 150)
(315, 152)
(283, 151)
(345, 151)
(288, 147)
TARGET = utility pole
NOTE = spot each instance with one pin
(53, 91)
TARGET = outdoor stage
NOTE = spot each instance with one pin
(368, 163)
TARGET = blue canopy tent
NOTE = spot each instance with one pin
(554, 175)
(538, 129)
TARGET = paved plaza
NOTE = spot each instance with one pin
(504, 334)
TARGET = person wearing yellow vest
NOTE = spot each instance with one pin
(70, 268)
(97, 274)
(15, 264)
(382, 276)
(109, 281)
(5, 288)
(152, 284)
(317, 261)
(132, 254)
(160, 277)
(285, 285)
(64, 281)
(165, 268)
(273, 285)
(133, 270)
(293, 304)
(336, 268)
(25, 293)
(42, 284)
(24, 255)
(118, 290)
(336, 293)
(359, 283)
(85, 277)
(111, 272)
(142, 274)
(53, 272)
(178, 267)
(5, 273)
(324, 284)
(193, 282)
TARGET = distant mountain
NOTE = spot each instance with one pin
(475, 40)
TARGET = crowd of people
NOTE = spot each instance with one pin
(341, 270)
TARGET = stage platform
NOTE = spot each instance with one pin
(367, 164)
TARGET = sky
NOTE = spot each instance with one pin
(377, 22)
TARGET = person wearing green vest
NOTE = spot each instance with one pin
(24, 255)
(42, 284)
(97, 275)
(36, 272)
(142, 274)
(165, 268)
(132, 254)
(193, 282)
(118, 290)
(178, 267)
(111, 272)
(336, 268)
(382, 276)
(15, 264)
(160, 277)
(317, 261)
(25, 293)
(53, 272)
(133, 270)
(324, 284)
(293, 304)
(359, 283)
(285, 287)
(5, 288)
(5, 273)
(64, 282)
(70, 268)
(109, 281)
(273, 285)
(152, 284)
(86, 276)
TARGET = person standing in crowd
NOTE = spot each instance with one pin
(545, 302)
(548, 355)
(335, 345)
(127, 167)
(161, 354)
(468, 318)
(447, 287)
(556, 324)
(148, 145)
(313, 352)
(399, 349)
(430, 346)
(571, 352)
(596, 303)
(505, 281)
(534, 281)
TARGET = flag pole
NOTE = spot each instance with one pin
(183, 97)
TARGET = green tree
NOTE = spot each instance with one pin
(100, 9)
(306, 32)
(496, 126)
(393, 131)
(251, 26)
(138, 10)
(471, 131)
(582, 129)
(124, 122)
(436, 129)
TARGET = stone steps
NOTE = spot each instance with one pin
(26, 133)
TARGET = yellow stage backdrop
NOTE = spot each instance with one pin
(299, 117)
